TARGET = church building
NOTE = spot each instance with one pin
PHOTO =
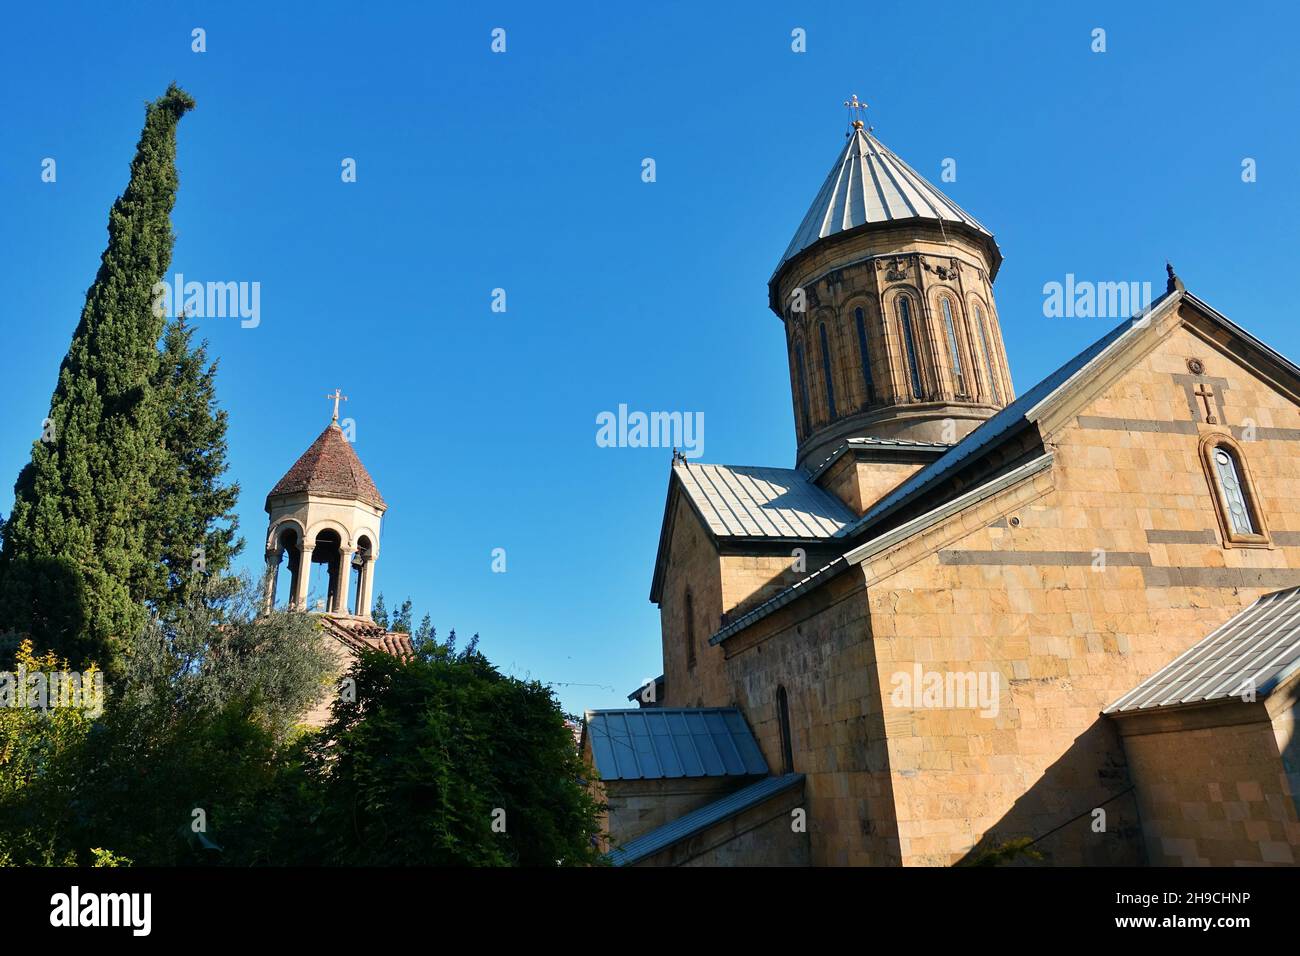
(326, 512)
(1060, 627)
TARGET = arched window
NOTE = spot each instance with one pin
(945, 305)
(867, 382)
(803, 388)
(1237, 506)
(1233, 495)
(909, 343)
(783, 719)
(988, 355)
(826, 371)
(690, 629)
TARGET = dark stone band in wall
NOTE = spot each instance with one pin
(1182, 428)
(1158, 577)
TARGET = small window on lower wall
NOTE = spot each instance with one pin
(1236, 503)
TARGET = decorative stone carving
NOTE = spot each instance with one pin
(897, 270)
(947, 272)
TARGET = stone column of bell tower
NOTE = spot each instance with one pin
(886, 295)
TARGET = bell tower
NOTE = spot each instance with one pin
(886, 293)
(325, 511)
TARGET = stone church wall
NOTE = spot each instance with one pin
(722, 588)
(760, 836)
(1068, 589)
(861, 484)
(1211, 789)
(319, 714)
(1071, 598)
(693, 563)
(635, 807)
(820, 651)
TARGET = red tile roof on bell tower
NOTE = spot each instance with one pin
(330, 467)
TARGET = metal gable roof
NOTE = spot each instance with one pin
(753, 502)
(699, 820)
(869, 183)
(1253, 651)
(661, 743)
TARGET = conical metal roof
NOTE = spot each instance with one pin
(870, 184)
(330, 467)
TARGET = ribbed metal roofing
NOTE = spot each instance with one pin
(1254, 651)
(744, 501)
(658, 742)
(869, 183)
(699, 820)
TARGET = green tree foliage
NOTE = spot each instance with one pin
(197, 757)
(379, 613)
(1014, 851)
(203, 719)
(193, 526)
(74, 564)
(425, 633)
(440, 760)
(37, 745)
(401, 618)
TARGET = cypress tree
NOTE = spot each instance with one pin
(73, 565)
(193, 524)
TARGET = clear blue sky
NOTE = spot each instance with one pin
(523, 171)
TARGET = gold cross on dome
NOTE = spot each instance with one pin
(857, 110)
(338, 396)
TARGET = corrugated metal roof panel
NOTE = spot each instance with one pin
(1253, 651)
(660, 742)
(870, 183)
(699, 820)
(751, 502)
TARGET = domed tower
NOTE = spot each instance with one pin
(886, 292)
(325, 510)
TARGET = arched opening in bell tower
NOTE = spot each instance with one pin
(329, 552)
(284, 573)
(357, 576)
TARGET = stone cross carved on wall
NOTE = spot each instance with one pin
(1205, 393)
